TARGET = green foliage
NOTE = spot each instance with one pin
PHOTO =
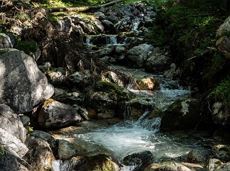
(222, 91)
(27, 46)
(22, 16)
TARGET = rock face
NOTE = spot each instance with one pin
(22, 84)
(139, 54)
(58, 115)
(182, 114)
(11, 123)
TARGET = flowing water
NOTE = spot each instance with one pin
(130, 136)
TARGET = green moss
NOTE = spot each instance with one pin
(113, 89)
(2, 150)
(27, 46)
(222, 91)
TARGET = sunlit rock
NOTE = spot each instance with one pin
(22, 84)
(147, 84)
(5, 41)
(40, 155)
(11, 122)
(96, 163)
(172, 166)
(55, 114)
(12, 144)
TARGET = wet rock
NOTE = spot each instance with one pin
(120, 49)
(147, 84)
(22, 84)
(139, 54)
(9, 162)
(11, 122)
(156, 62)
(222, 152)
(167, 166)
(12, 144)
(97, 163)
(140, 160)
(109, 26)
(66, 150)
(57, 115)
(198, 156)
(5, 41)
(182, 114)
(40, 155)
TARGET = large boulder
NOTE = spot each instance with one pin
(11, 122)
(22, 85)
(182, 114)
(139, 54)
(54, 114)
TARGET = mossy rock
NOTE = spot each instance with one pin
(114, 90)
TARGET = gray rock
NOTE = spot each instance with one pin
(5, 41)
(140, 160)
(224, 28)
(97, 163)
(11, 123)
(57, 115)
(9, 162)
(156, 62)
(169, 166)
(139, 54)
(12, 144)
(22, 84)
(40, 155)
(66, 150)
